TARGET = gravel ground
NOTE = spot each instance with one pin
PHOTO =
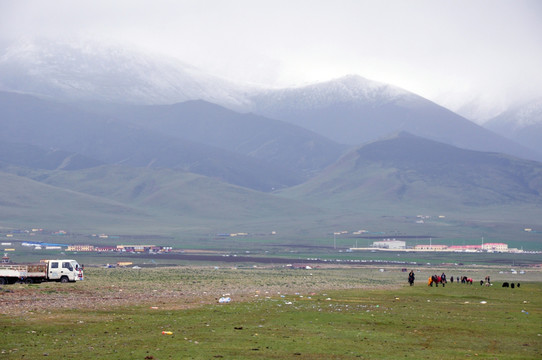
(180, 287)
(187, 286)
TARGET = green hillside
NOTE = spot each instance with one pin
(28, 203)
(385, 185)
(418, 172)
(139, 200)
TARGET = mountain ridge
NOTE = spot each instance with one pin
(361, 118)
(407, 168)
(107, 72)
(45, 124)
(522, 124)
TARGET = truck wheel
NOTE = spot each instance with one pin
(3, 281)
(28, 281)
(64, 279)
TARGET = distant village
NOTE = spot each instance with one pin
(40, 245)
(389, 244)
(398, 245)
(121, 248)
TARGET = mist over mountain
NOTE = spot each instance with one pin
(91, 71)
(349, 110)
(522, 124)
(106, 130)
(354, 110)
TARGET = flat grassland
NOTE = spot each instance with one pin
(274, 313)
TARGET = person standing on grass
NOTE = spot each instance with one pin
(411, 277)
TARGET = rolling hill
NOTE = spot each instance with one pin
(382, 185)
(406, 170)
(134, 200)
(26, 203)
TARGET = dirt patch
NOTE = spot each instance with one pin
(179, 287)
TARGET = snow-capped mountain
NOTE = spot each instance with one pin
(350, 110)
(353, 110)
(110, 73)
(478, 109)
(522, 116)
(522, 124)
(350, 88)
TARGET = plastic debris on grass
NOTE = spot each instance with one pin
(224, 300)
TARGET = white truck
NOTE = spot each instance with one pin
(47, 270)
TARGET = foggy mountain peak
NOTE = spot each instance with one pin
(530, 114)
(349, 88)
(105, 72)
(520, 117)
(357, 87)
(86, 70)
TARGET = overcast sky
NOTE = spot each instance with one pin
(450, 51)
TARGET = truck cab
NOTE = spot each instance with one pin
(64, 270)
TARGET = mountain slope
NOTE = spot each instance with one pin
(114, 73)
(273, 141)
(350, 110)
(522, 124)
(135, 200)
(354, 110)
(47, 124)
(26, 202)
(410, 171)
(26, 155)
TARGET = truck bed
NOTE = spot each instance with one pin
(23, 270)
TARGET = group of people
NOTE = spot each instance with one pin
(436, 279)
(442, 279)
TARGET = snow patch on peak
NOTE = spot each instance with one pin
(357, 87)
(347, 89)
(530, 114)
(108, 72)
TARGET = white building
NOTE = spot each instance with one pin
(390, 244)
(495, 247)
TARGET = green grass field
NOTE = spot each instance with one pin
(328, 313)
